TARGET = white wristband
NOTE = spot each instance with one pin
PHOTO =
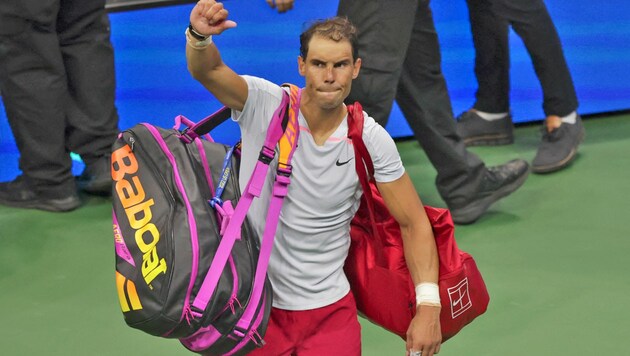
(195, 43)
(428, 294)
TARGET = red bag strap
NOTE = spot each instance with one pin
(363, 161)
(441, 221)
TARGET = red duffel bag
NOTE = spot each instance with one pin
(376, 268)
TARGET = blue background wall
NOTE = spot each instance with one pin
(154, 85)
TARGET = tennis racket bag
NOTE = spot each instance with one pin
(188, 263)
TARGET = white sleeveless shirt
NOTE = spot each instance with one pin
(313, 234)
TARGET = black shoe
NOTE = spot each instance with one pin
(20, 194)
(558, 147)
(96, 178)
(498, 182)
(475, 131)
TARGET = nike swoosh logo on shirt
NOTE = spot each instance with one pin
(342, 163)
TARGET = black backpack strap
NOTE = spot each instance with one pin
(206, 125)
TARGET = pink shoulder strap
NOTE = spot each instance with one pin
(287, 140)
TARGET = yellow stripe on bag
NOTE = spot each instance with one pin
(133, 296)
(131, 292)
(120, 286)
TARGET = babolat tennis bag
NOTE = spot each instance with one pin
(188, 263)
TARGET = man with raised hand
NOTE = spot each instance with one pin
(314, 312)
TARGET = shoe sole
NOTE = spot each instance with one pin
(550, 168)
(489, 140)
(473, 212)
(61, 205)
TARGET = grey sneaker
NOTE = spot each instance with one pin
(558, 147)
(20, 194)
(475, 131)
(498, 182)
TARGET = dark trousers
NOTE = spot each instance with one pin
(57, 83)
(401, 59)
(490, 21)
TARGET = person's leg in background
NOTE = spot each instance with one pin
(423, 97)
(35, 94)
(391, 33)
(492, 57)
(92, 119)
(384, 30)
(488, 122)
(563, 126)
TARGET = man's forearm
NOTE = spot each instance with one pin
(420, 253)
(418, 242)
(202, 61)
(207, 67)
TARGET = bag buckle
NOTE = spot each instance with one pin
(186, 136)
(266, 155)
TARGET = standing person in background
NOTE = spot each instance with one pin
(489, 121)
(402, 61)
(58, 86)
(314, 312)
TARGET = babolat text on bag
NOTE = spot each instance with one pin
(188, 264)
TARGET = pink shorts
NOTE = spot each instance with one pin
(330, 330)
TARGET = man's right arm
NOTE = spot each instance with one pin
(204, 61)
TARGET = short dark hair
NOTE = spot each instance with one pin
(336, 28)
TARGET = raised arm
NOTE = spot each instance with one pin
(421, 256)
(209, 18)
